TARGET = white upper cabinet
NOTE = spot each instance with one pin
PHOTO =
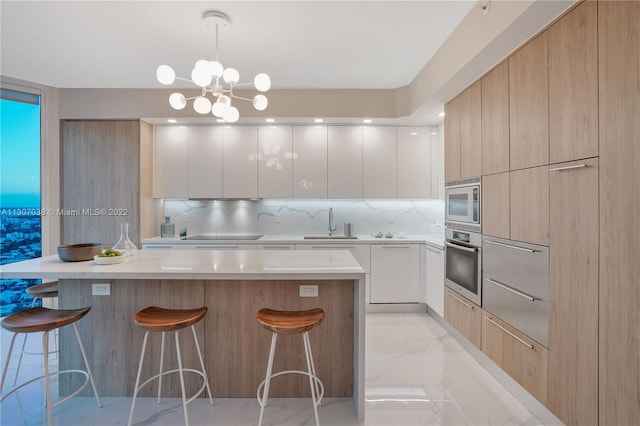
(170, 162)
(379, 156)
(414, 154)
(437, 162)
(205, 162)
(344, 162)
(310, 161)
(240, 171)
(274, 162)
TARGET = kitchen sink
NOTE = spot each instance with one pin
(328, 237)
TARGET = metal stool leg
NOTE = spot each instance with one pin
(135, 389)
(86, 362)
(6, 364)
(313, 370)
(265, 394)
(204, 372)
(314, 390)
(161, 362)
(184, 394)
(47, 384)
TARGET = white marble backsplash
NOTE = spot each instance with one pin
(304, 217)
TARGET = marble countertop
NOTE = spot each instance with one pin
(198, 264)
(434, 241)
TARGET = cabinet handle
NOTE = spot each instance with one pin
(134, 213)
(433, 251)
(332, 248)
(396, 247)
(509, 333)
(528, 250)
(216, 247)
(455, 246)
(461, 301)
(276, 247)
(558, 169)
(512, 290)
(153, 247)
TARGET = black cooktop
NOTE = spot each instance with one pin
(224, 237)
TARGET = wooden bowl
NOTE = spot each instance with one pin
(78, 252)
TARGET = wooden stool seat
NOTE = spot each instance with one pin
(41, 319)
(43, 290)
(154, 318)
(289, 322)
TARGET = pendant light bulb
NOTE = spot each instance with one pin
(177, 101)
(165, 75)
(202, 105)
(262, 82)
(231, 75)
(231, 114)
(260, 102)
(215, 69)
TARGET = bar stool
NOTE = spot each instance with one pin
(291, 322)
(40, 291)
(154, 319)
(44, 320)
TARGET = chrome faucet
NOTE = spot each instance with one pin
(332, 227)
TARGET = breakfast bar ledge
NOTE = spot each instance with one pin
(233, 285)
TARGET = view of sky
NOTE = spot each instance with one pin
(19, 154)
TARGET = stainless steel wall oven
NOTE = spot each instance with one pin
(463, 265)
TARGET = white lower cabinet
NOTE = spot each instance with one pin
(359, 251)
(435, 279)
(395, 273)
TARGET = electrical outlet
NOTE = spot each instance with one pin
(100, 289)
(276, 217)
(391, 217)
(308, 290)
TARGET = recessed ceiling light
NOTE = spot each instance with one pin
(318, 120)
(219, 120)
(366, 120)
(441, 114)
(433, 133)
(269, 120)
(171, 120)
(413, 133)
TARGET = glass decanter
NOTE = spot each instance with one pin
(124, 244)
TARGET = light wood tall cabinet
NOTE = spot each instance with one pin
(619, 289)
(529, 205)
(205, 163)
(309, 161)
(496, 213)
(344, 162)
(106, 169)
(452, 140)
(415, 165)
(495, 120)
(471, 131)
(171, 162)
(573, 291)
(379, 162)
(521, 357)
(240, 153)
(573, 85)
(464, 315)
(275, 162)
(529, 105)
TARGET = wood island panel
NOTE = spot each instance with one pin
(235, 346)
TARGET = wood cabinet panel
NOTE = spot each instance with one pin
(275, 162)
(345, 162)
(464, 315)
(205, 162)
(452, 140)
(529, 205)
(240, 171)
(521, 357)
(310, 161)
(619, 128)
(379, 162)
(495, 205)
(495, 120)
(100, 169)
(529, 105)
(471, 131)
(573, 292)
(573, 85)
(171, 162)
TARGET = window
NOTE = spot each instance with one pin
(20, 219)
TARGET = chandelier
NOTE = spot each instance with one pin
(215, 98)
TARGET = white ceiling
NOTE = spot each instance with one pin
(300, 44)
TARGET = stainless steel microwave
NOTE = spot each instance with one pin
(462, 204)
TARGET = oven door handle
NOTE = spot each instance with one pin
(463, 248)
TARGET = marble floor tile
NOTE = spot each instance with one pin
(416, 374)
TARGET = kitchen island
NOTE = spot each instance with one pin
(233, 285)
